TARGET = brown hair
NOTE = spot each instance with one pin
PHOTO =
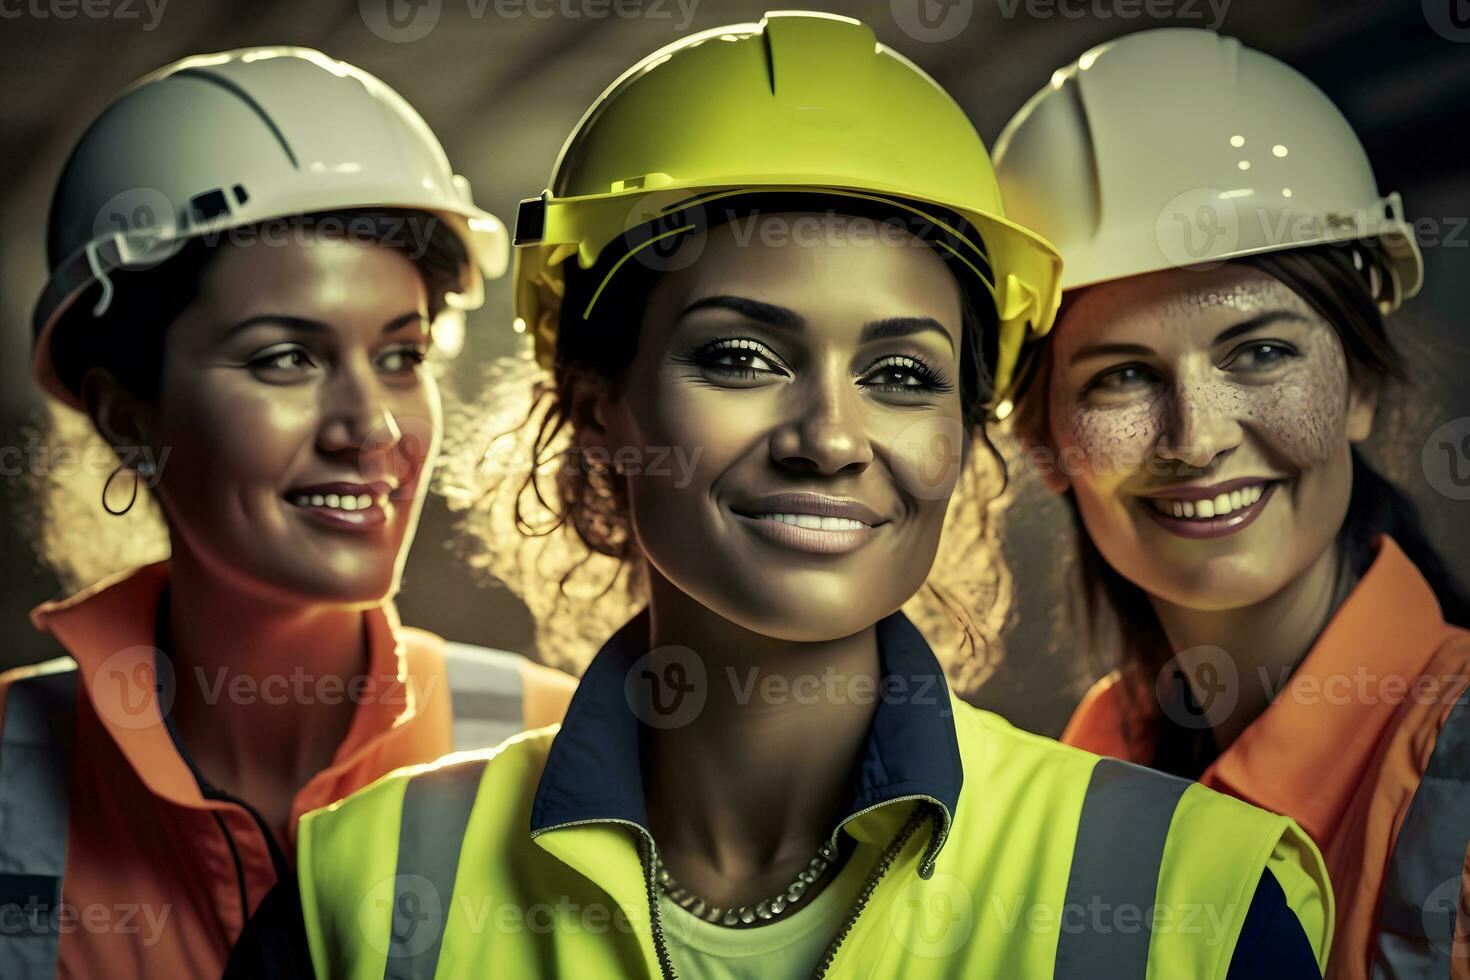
(1335, 281)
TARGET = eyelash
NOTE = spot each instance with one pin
(268, 359)
(1286, 350)
(706, 356)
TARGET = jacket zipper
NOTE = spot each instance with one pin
(646, 855)
(646, 848)
(665, 964)
(920, 816)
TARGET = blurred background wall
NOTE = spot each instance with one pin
(502, 82)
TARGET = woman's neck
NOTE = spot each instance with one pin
(1263, 642)
(249, 669)
(740, 796)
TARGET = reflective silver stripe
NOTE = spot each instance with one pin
(1421, 891)
(35, 769)
(436, 810)
(1120, 846)
(486, 693)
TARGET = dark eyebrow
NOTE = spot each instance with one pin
(780, 316)
(768, 313)
(1259, 321)
(904, 326)
(315, 326)
(1229, 333)
(1103, 350)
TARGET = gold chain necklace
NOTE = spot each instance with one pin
(763, 911)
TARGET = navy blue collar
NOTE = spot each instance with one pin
(594, 773)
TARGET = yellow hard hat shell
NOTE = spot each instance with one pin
(801, 102)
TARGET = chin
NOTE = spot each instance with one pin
(1208, 586)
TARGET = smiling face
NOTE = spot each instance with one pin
(1205, 423)
(298, 419)
(792, 421)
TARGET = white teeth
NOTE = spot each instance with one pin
(815, 522)
(1219, 506)
(348, 502)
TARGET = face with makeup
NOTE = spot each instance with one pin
(297, 416)
(1204, 421)
(805, 401)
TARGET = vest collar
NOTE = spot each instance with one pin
(593, 771)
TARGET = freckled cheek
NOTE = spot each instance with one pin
(1110, 443)
(1305, 418)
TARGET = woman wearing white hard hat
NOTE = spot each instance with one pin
(249, 254)
(1288, 633)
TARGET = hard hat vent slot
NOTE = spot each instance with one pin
(209, 205)
(240, 196)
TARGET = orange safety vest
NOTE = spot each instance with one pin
(150, 877)
(1367, 747)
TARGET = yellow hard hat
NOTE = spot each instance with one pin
(798, 102)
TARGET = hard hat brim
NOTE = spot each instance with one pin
(1025, 284)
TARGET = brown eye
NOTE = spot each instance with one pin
(282, 361)
(739, 358)
(903, 374)
(402, 359)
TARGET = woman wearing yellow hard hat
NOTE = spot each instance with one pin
(249, 252)
(1285, 623)
(780, 244)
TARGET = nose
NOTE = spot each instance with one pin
(1201, 425)
(824, 433)
(356, 418)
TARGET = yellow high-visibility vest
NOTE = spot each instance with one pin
(993, 852)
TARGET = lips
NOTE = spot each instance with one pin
(344, 505)
(812, 522)
(1212, 511)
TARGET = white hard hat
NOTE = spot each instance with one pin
(1175, 148)
(220, 141)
